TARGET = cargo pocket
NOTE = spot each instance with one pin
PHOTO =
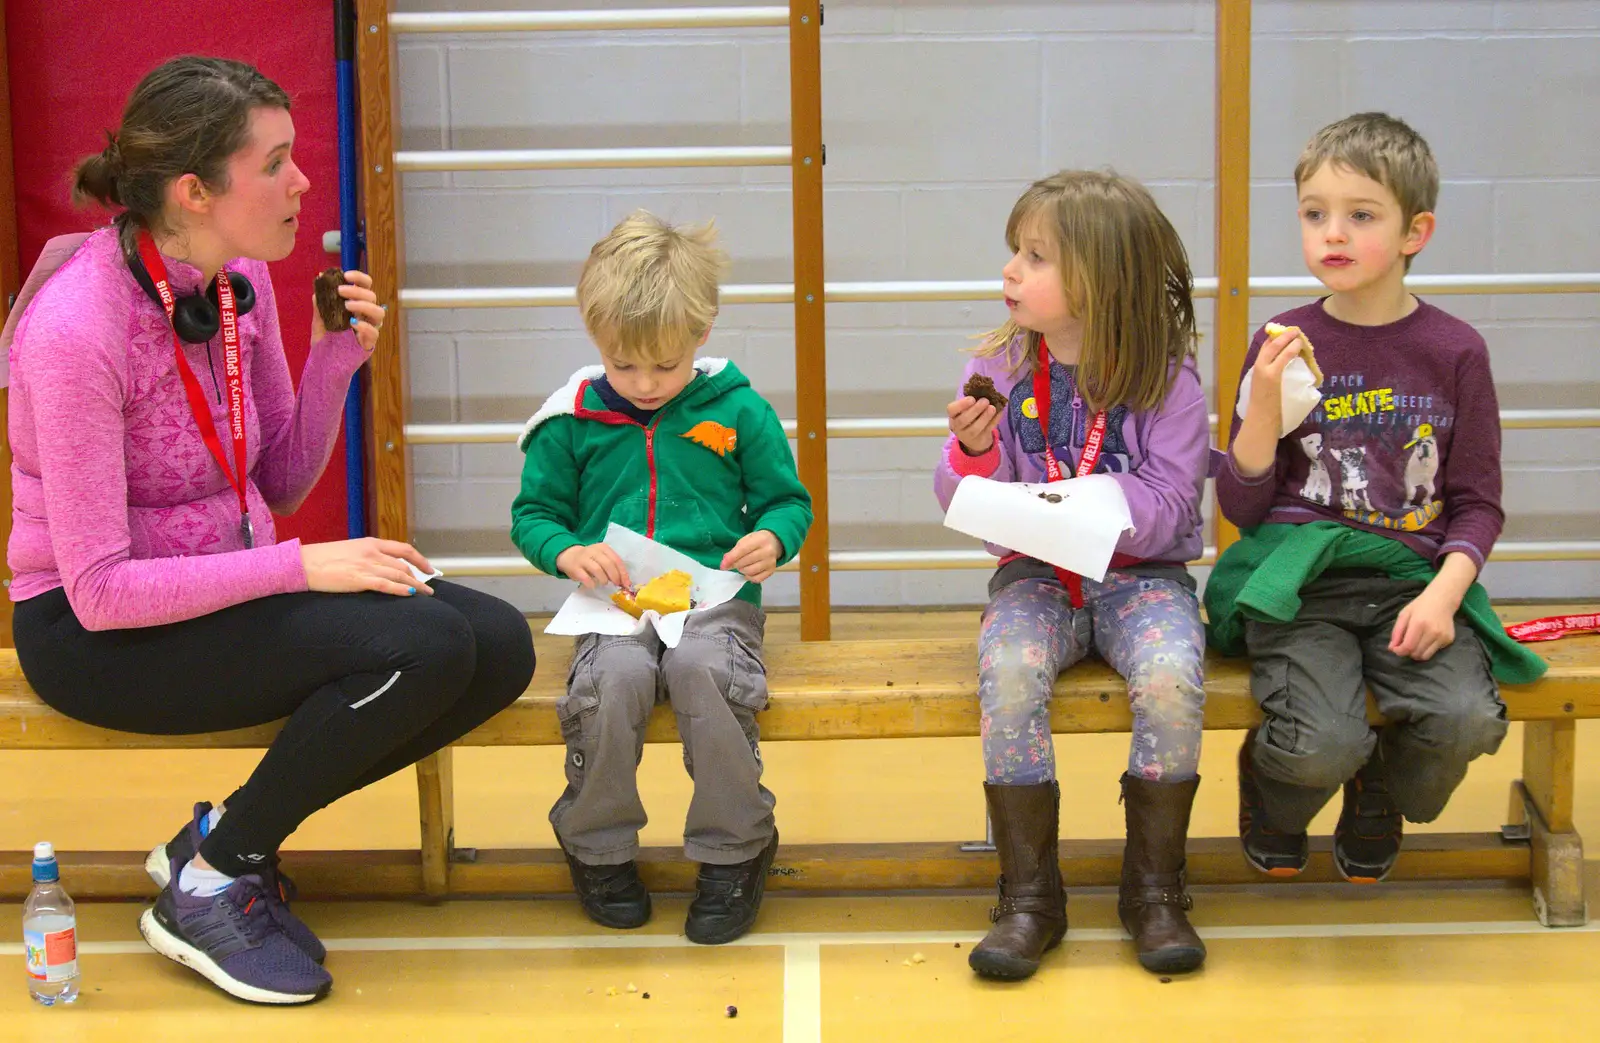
(747, 681)
(1496, 723)
(1486, 671)
(576, 710)
(1269, 683)
(632, 512)
(679, 522)
(683, 522)
(747, 674)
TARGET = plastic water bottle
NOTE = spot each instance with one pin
(50, 933)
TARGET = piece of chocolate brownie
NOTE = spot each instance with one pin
(329, 304)
(981, 387)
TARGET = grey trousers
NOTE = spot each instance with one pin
(1310, 677)
(716, 682)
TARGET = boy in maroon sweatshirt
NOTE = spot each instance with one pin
(1405, 444)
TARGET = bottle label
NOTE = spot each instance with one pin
(52, 955)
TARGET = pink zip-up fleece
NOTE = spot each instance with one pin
(114, 494)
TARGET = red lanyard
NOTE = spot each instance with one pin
(1091, 452)
(231, 367)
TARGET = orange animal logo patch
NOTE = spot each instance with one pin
(720, 440)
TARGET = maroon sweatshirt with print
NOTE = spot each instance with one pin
(1405, 442)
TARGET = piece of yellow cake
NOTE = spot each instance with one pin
(1273, 329)
(667, 593)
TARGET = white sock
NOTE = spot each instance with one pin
(212, 819)
(203, 883)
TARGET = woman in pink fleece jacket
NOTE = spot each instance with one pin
(152, 595)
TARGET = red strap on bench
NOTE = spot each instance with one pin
(1551, 627)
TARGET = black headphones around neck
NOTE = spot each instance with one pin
(196, 317)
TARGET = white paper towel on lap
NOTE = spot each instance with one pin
(589, 611)
(1077, 531)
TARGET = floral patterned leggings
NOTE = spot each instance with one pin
(1149, 630)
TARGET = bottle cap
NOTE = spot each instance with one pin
(45, 869)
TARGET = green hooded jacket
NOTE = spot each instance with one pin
(713, 466)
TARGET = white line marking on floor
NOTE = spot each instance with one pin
(818, 939)
(802, 992)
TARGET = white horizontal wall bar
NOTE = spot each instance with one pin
(558, 296)
(1557, 282)
(558, 21)
(735, 293)
(940, 290)
(491, 297)
(461, 434)
(591, 158)
(1545, 419)
(509, 565)
(938, 427)
(920, 560)
(981, 290)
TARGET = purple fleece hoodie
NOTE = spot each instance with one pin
(1160, 457)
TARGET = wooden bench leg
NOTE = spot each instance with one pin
(436, 802)
(1545, 795)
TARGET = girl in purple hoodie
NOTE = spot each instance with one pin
(1097, 374)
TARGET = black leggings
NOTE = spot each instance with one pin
(370, 683)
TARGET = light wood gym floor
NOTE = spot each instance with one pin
(1306, 963)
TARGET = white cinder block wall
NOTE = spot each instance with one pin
(936, 115)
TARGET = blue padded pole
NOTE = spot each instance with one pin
(351, 248)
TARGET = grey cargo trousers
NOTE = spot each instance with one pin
(1311, 677)
(716, 682)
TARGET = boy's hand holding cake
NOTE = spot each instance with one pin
(1284, 379)
(666, 594)
(593, 565)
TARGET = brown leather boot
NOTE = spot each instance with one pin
(1152, 901)
(1031, 918)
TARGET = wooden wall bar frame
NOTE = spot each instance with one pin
(1231, 332)
(810, 325)
(388, 389)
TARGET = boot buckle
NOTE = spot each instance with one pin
(1167, 896)
(1152, 893)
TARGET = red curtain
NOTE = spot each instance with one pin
(73, 64)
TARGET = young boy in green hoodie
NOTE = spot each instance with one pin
(683, 451)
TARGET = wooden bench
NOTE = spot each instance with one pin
(857, 689)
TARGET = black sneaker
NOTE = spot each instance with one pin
(727, 898)
(612, 896)
(1272, 852)
(1366, 842)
